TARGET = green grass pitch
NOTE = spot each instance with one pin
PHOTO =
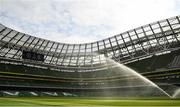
(85, 101)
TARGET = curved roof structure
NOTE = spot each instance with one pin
(141, 42)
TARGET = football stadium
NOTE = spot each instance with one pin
(137, 67)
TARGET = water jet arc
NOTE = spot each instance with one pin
(138, 75)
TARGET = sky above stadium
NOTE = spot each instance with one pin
(82, 21)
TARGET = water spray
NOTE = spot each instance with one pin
(139, 75)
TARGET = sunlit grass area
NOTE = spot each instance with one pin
(82, 101)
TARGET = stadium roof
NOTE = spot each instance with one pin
(144, 41)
